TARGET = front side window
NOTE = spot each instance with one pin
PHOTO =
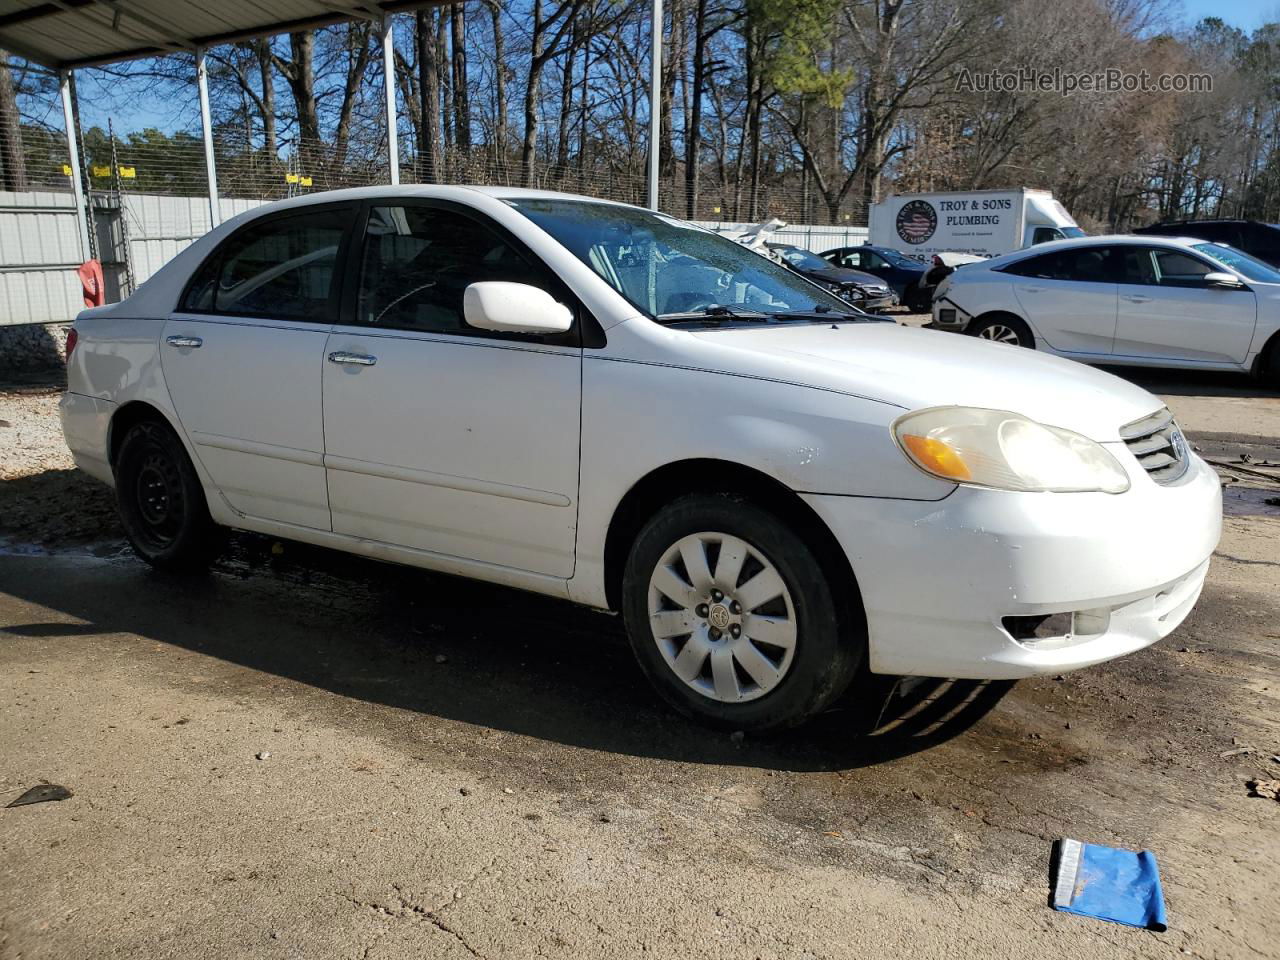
(1175, 269)
(418, 261)
(668, 268)
(1249, 267)
(284, 267)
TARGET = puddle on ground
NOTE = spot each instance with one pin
(1239, 500)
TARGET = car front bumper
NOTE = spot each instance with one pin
(939, 578)
(948, 316)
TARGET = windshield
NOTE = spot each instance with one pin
(1251, 267)
(898, 259)
(801, 258)
(1072, 232)
(668, 268)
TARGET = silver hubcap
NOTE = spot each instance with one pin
(722, 617)
(999, 333)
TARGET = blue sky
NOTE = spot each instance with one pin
(1248, 15)
(169, 115)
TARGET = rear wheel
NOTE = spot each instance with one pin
(1003, 328)
(731, 616)
(162, 505)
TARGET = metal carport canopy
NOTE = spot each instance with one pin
(65, 34)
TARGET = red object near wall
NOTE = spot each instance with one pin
(90, 273)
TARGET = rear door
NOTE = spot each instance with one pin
(242, 358)
(441, 437)
(1069, 299)
(1168, 312)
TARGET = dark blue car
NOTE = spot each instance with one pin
(900, 272)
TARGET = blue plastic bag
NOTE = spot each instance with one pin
(1117, 885)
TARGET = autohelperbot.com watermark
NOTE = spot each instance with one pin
(1067, 83)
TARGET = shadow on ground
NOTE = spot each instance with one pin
(1195, 383)
(459, 650)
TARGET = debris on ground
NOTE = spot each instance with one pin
(1235, 753)
(41, 793)
(441, 658)
(262, 755)
(1108, 883)
(1266, 789)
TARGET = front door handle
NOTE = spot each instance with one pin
(1136, 298)
(183, 341)
(354, 359)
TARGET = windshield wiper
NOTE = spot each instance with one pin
(715, 315)
(824, 313)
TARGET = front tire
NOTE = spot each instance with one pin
(731, 616)
(161, 501)
(1003, 328)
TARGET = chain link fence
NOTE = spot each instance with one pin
(174, 165)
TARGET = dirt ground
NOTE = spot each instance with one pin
(306, 755)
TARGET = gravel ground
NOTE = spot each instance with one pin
(43, 498)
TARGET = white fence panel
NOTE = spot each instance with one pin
(818, 238)
(39, 251)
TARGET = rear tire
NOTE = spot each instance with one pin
(764, 648)
(1002, 328)
(161, 501)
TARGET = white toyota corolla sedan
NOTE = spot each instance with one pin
(1134, 300)
(604, 404)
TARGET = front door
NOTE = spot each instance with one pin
(440, 437)
(1168, 312)
(243, 355)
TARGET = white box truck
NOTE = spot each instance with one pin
(986, 223)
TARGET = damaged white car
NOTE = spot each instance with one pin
(604, 404)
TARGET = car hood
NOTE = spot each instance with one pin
(835, 274)
(914, 368)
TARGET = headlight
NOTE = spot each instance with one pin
(1007, 451)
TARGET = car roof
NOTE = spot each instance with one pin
(1109, 240)
(436, 191)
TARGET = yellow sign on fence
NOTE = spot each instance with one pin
(66, 170)
(305, 181)
(129, 173)
(291, 178)
(101, 171)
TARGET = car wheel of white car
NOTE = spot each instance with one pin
(731, 617)
(1003, 328)
(162, 505)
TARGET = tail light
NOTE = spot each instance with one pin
(72, 337)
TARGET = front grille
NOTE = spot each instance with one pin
(1158, 444)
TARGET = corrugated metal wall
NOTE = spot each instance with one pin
(39, 251)
(40, 246)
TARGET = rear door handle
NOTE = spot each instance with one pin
(353, 359)
(183, 341)
(1033, 289)
(1135, 298)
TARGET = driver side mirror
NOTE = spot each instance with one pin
(1223, 281)
(505, 307)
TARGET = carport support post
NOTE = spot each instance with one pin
(655, 101)
(202, 80)
(73, 148)
(389, 81)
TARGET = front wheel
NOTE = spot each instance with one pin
(162, 505)
(732, 618)
(1003, 329)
